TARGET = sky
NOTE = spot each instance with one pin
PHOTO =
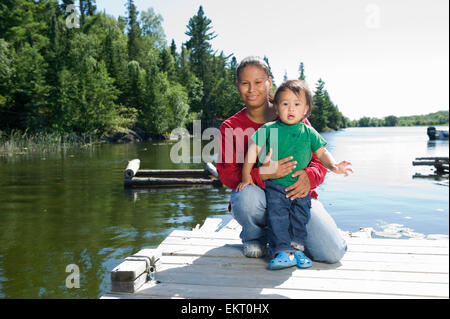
(376, 57)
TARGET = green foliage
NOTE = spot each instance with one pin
(114, 74)
(436, 118)
(325, 115)
(301, 70)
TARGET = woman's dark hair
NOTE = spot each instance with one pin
(296, 87)
(252, 60)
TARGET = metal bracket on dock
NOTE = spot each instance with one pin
(150, 262)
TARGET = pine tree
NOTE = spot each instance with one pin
(319, 115)
(199, 31)
(167, 64)
(134, 31)
(301, 70)
(285, 76)
(173, 49)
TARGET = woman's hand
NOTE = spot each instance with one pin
(276, 169)
(246, 180)
(300, 188)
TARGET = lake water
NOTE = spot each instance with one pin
(71, 208)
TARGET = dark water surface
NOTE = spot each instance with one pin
(71, 208)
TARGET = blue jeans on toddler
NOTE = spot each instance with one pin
(324, 242)
(286, 219)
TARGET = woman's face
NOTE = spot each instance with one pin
(254, 86)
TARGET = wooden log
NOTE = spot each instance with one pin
(156, 181)
(212, 169)
(132, 168)
(427, 163)
(172, 173)
(445, 159)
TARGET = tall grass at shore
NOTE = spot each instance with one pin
(18, 142)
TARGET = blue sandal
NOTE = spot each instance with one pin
(302, 260)
(282, 260)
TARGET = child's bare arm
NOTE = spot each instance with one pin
(327, 159)
(249, 162)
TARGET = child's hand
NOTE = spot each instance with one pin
(342, 168)
(246, 180)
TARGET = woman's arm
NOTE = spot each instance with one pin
(230, 172)
(249, 162)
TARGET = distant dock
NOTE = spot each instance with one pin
(207, 262)
(441, 164)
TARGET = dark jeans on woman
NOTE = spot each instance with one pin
(286, 219)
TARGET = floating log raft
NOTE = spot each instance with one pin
(135, 177)
(207, 262)
(440, 163)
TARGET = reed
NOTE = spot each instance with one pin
(19, 142)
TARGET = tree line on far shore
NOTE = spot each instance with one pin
(435, 118)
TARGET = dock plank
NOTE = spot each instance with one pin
(443, 243)
(284, 280)
(213, 242)
(184, 291)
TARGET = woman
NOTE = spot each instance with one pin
(324, 242)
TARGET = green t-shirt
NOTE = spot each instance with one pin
(297, 140)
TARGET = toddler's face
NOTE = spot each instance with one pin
(292, 108)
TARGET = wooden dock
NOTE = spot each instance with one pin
(207, 262)
(134, 177)
(441, 164)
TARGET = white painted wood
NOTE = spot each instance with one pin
(235, 250)
(384, 265)
(212, 169)
(244, 270)
(178, 291)
(284, 280)
(128, 270)
(132, 168)
(443, 243)
(407, 254)
(210, 225)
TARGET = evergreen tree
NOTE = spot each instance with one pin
(167, 64)
(319, 114)
(87, 94)
(134, 31)
(301, 70)
(192, 83)
(173, 49)
(199, 31)
(87, 8)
